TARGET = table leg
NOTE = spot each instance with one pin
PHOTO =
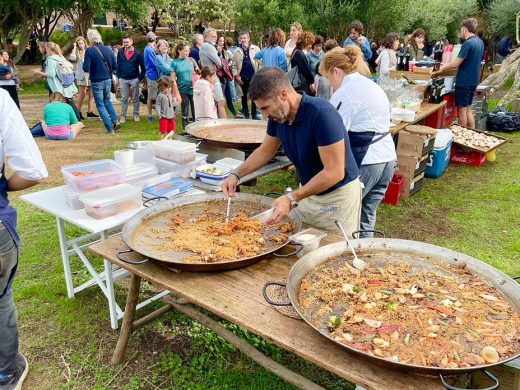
(65, 257)
(128, 319)
(111, 296)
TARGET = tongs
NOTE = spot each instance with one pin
(357, 262)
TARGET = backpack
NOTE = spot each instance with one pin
(64, 72)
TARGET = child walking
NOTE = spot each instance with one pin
(165, 106)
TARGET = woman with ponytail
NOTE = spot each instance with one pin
(365, 111)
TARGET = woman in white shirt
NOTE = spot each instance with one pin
(294, 32)
(365, 111)
(387, 59)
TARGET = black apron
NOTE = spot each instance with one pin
(361, 141)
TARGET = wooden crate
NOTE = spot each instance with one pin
(481, 150)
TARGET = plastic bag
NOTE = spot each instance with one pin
(501, 120)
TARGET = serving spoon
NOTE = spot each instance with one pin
(357, 262)
(228, 211)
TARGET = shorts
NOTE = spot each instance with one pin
(60, 133)
(217, 90)
(152, 89)
(464, 96)
(85, 82)
(166, 125)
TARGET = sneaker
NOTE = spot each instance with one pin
(81, 117)
(238, 116)
(117, 125)
(111, 132)
(136, 118)
(122, 119)
(150, 118)
(92, 115)
(15, 381)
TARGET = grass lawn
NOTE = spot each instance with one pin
(69, 342)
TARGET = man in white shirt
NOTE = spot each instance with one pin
(24, 159)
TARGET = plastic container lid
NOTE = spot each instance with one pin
(106, 196)
(443, 137)
(177, 146)
(138, 170)
(228, 162)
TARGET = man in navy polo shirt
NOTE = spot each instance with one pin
(468, 63)
(313, 137)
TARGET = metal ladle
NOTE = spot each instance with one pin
(357, 262)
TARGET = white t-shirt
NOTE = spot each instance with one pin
(16, 142)
(365, 108)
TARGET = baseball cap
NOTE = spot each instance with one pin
(150, 37)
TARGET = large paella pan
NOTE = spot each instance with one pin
(191, 233)
(242, 134)
(416, 307)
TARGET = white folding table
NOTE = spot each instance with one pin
(54, 202)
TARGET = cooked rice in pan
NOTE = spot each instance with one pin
(210, 238)
(442, 316)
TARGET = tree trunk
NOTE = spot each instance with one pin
(508, 68)
(25, 34)
(81, 25)
(514, 91)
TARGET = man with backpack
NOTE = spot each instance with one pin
(100, 63)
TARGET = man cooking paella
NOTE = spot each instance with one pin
(313, 137)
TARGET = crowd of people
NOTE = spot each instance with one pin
(338, 141)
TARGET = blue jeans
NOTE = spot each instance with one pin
(101, 92)
(375, 178)
(233, 89)
(226, 88)
(8, 327)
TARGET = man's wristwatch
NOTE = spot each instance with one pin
(293, 203)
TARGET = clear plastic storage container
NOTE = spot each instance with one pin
(180, 170)
(176, 151)
(92, 175)
(139, 172)
(111, 201)
(72, 197)
(309, 238)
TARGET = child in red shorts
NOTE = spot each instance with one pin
(165, 106)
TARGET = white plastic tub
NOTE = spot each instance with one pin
(309, 238)
(92, 175)
(180, 170)
(139, 172)
(111, 201)
(72, 197)
(176, 151)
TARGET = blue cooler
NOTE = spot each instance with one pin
(440, 155)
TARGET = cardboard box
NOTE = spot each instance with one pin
(508, 375)
(416, 141)
(411, 185)
(411, 166)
